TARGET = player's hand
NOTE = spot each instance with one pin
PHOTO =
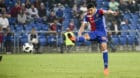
(115, 13)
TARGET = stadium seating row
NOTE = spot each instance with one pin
(124, 40)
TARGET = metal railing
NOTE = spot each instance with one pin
(58, 45)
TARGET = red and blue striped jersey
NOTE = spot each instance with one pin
(97, 21)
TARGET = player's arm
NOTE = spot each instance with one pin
(108, 12)
(82, 28)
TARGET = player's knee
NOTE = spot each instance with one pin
(103, 46)
(87, 37)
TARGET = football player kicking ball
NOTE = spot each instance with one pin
(98, 31)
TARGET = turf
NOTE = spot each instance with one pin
(79, 65)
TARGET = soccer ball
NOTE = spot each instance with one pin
(28, 48)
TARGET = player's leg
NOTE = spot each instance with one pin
(83, 38)
(87, 36)
(103, 46)
(105, 57)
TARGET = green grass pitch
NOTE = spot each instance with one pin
(74, 65)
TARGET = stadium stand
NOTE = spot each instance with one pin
(129, 33)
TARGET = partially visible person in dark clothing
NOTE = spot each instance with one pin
(133, 6)
(138, 1)
(123, 5)
(2, 5)
(115, 28)
(1, 38)
(8, 41)
(15, 10)
(42, 11)
(27, 4)
(37, 4)
(51, 17)
(50, 3)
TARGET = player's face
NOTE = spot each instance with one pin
(91, 11)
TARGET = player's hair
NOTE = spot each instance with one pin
(91, 5)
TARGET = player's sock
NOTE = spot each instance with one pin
(105, 58)
(81, 39)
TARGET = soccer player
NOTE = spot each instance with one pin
(98, 31)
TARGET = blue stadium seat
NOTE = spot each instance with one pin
(105, 4)
(65, 24)
(139, 29)
(99, 7)
(133, 33)
(132, 27)
(51, 40)
(67, 13)
(12, 28)
(12, 20)
(16, 39)
(87, 43)
(28, 28)
(23, 39)
(131, 40)
(114, 40)
(78, 43)
(42, 41)
(135, 16)
(10, 3)
(99, 0)
(137, 40)
(45, 27)
(23, 1)
(99, 3)
(133, 21)
(59, 41)
(67, 16)
(32, 1)
(42, 34)
(124, 33)
(67, 10)
(19, 28)
(37, 28)
(123, 40)
(127, 16)
(124, 28)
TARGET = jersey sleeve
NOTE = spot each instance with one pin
(101, 11)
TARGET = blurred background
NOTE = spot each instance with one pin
(49, 19)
